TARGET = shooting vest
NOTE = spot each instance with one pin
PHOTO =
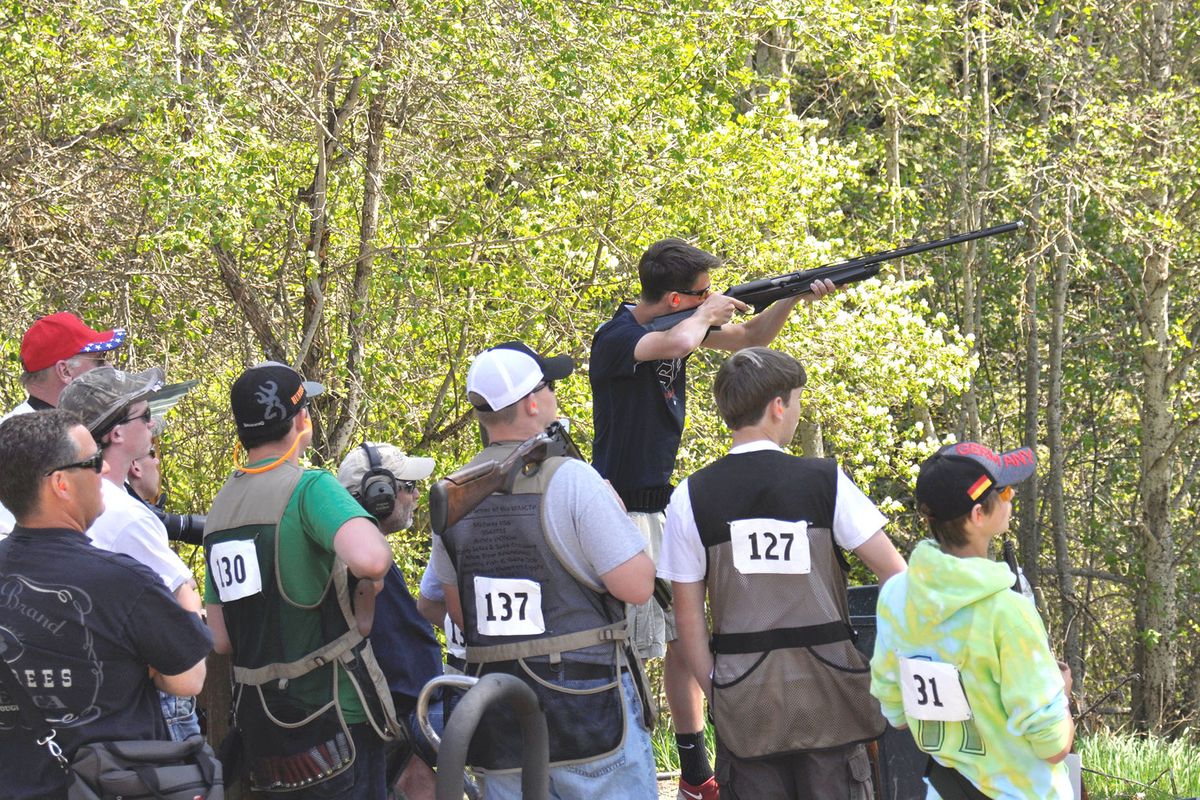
(289, 743)
(528, 616)
(786, 675)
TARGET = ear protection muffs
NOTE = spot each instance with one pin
(377, 491)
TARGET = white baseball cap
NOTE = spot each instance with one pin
(507, 372)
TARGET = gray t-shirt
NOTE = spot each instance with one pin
(589, 528)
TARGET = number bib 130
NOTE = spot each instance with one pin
(508, 607)
(932, 691)
(234, 569)
(770, 546)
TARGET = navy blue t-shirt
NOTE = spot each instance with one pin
(637, 408)
(407, 650)
(80, 626)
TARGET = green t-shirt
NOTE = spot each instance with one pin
(318, 507)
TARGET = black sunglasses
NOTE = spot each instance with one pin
(145, 417)
(96, 463)
(544, 385)
(695, 292)
(406, 486)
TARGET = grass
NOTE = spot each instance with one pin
(1140, 768)
(1132, 767)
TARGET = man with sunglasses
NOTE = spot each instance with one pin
(961, 655)
(383, 479)
(54, 351)
(90, 634)
(115, 407)
(537, 578)
(639, 388)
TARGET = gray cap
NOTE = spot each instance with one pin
(101, 396)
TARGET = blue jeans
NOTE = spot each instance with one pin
(180, 715)
(628, 774)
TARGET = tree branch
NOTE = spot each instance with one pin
(247, 303)
(110, 128)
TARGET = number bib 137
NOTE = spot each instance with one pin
(932, 691)
(234, 569)
(770, 546)
(508, 607)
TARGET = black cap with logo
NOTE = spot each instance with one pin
(269, 392)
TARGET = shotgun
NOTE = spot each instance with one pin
(763, 292)
(457, 495)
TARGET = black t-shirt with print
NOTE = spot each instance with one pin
(81, 625)
(638, 408)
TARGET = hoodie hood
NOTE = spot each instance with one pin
(941, 584)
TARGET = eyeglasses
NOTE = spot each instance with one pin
(95, 463)
(406, 486)
(543, 385)
(99, 361)
(705, 292)
(145, 417)
(1006, 493)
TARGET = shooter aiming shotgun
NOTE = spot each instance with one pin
(763, 292)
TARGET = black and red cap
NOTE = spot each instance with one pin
(958, 476)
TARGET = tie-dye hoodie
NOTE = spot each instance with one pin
(962, 611)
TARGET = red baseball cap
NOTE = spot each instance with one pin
(59, 336)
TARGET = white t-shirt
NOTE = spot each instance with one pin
(6, 519)
(128, 526)
(855, 519)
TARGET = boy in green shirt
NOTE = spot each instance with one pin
(960, 658)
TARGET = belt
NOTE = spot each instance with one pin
(648, 500)
(567, 670)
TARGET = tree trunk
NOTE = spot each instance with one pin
(891, 125)
(970, 214)
(1158, 591)
(812, 444)
(1029, 537)
(1063, 255)
(363, 268)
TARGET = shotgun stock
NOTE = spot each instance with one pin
(457, 495)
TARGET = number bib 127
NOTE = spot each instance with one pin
(770, 546)
(932, 691)
(234, 569)
(508, 607)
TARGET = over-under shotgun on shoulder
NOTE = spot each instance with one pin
(457, 494)
(761, 293)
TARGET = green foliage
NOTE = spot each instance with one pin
(530, 151)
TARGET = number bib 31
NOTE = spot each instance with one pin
(234, 566)
(770, 546)
(508, 607)
(932, 691)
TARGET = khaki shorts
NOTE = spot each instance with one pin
(650, 628)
